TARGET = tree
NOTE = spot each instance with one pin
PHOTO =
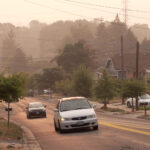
(145, 45)
(73, 56)
(82, 82)
(9, 47)
(48, 78)
(133, 89)
(18, 62)
(65, 87)
(12, 88)
(105, 88)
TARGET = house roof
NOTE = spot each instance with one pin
(130, 61)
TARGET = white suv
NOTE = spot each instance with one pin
(74, 112)
(142, 100)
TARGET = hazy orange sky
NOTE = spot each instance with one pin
(21, 12)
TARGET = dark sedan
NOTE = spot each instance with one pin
(36, 109)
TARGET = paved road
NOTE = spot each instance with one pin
(115, 133)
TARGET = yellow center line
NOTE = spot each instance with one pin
(133, 126)
(124, 128)
(129, 125)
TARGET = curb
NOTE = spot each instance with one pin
(29, 140)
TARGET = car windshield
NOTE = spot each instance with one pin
(74, 105)
(146, 96)
(35, 105)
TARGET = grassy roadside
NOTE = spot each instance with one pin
(1, 105)
(142, 108)
(13, 133)
(147, 117)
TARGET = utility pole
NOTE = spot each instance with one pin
(125, 11)
(137, 60)
(122, 59)
(122, 65)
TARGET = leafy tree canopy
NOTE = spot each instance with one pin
(133, 88)
(12, 87)
(65, 87)
(73, 56)
(18, 62)
(105, 88)
(48, 78)
(82, 82)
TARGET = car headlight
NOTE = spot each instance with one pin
(30, 110)
(91, 116)
(65, 119)
(62, 119)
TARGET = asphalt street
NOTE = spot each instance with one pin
(115, 133)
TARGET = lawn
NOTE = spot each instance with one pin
(142, 108)
(115, 110)
(1, 105)
(13, 133)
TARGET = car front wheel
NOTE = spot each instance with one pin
(128, 105)
(45, 115)
(60, 130)
(95, 127)
(56, 129)
(28, 116)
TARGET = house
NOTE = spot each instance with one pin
(113, 65)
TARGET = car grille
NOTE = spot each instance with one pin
(80, 118)
(37, 112)
(82, 125)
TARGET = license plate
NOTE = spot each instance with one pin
(37, 113)
(80, 123)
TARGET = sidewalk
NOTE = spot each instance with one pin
(29, 141)
(127, 114)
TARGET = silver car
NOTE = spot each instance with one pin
(74, 112)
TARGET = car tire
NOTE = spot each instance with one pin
(45, 115)
(128, 105)
(60, 130)
(28, 117)
(56, 129)
(95, 127)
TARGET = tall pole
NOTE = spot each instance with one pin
(137, 60)
(8, 112)
(122, 64)
(122, 59)
(125, 13)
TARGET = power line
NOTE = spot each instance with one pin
(109, 7)
(92, 8)
(59, 10)
(74, 14)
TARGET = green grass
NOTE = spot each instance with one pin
(13, 133)
(113, 109)
(1, 106)
(142, 108)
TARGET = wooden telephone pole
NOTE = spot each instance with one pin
(137, 60)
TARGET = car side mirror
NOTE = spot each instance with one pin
(55, 110)
(94, 105)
